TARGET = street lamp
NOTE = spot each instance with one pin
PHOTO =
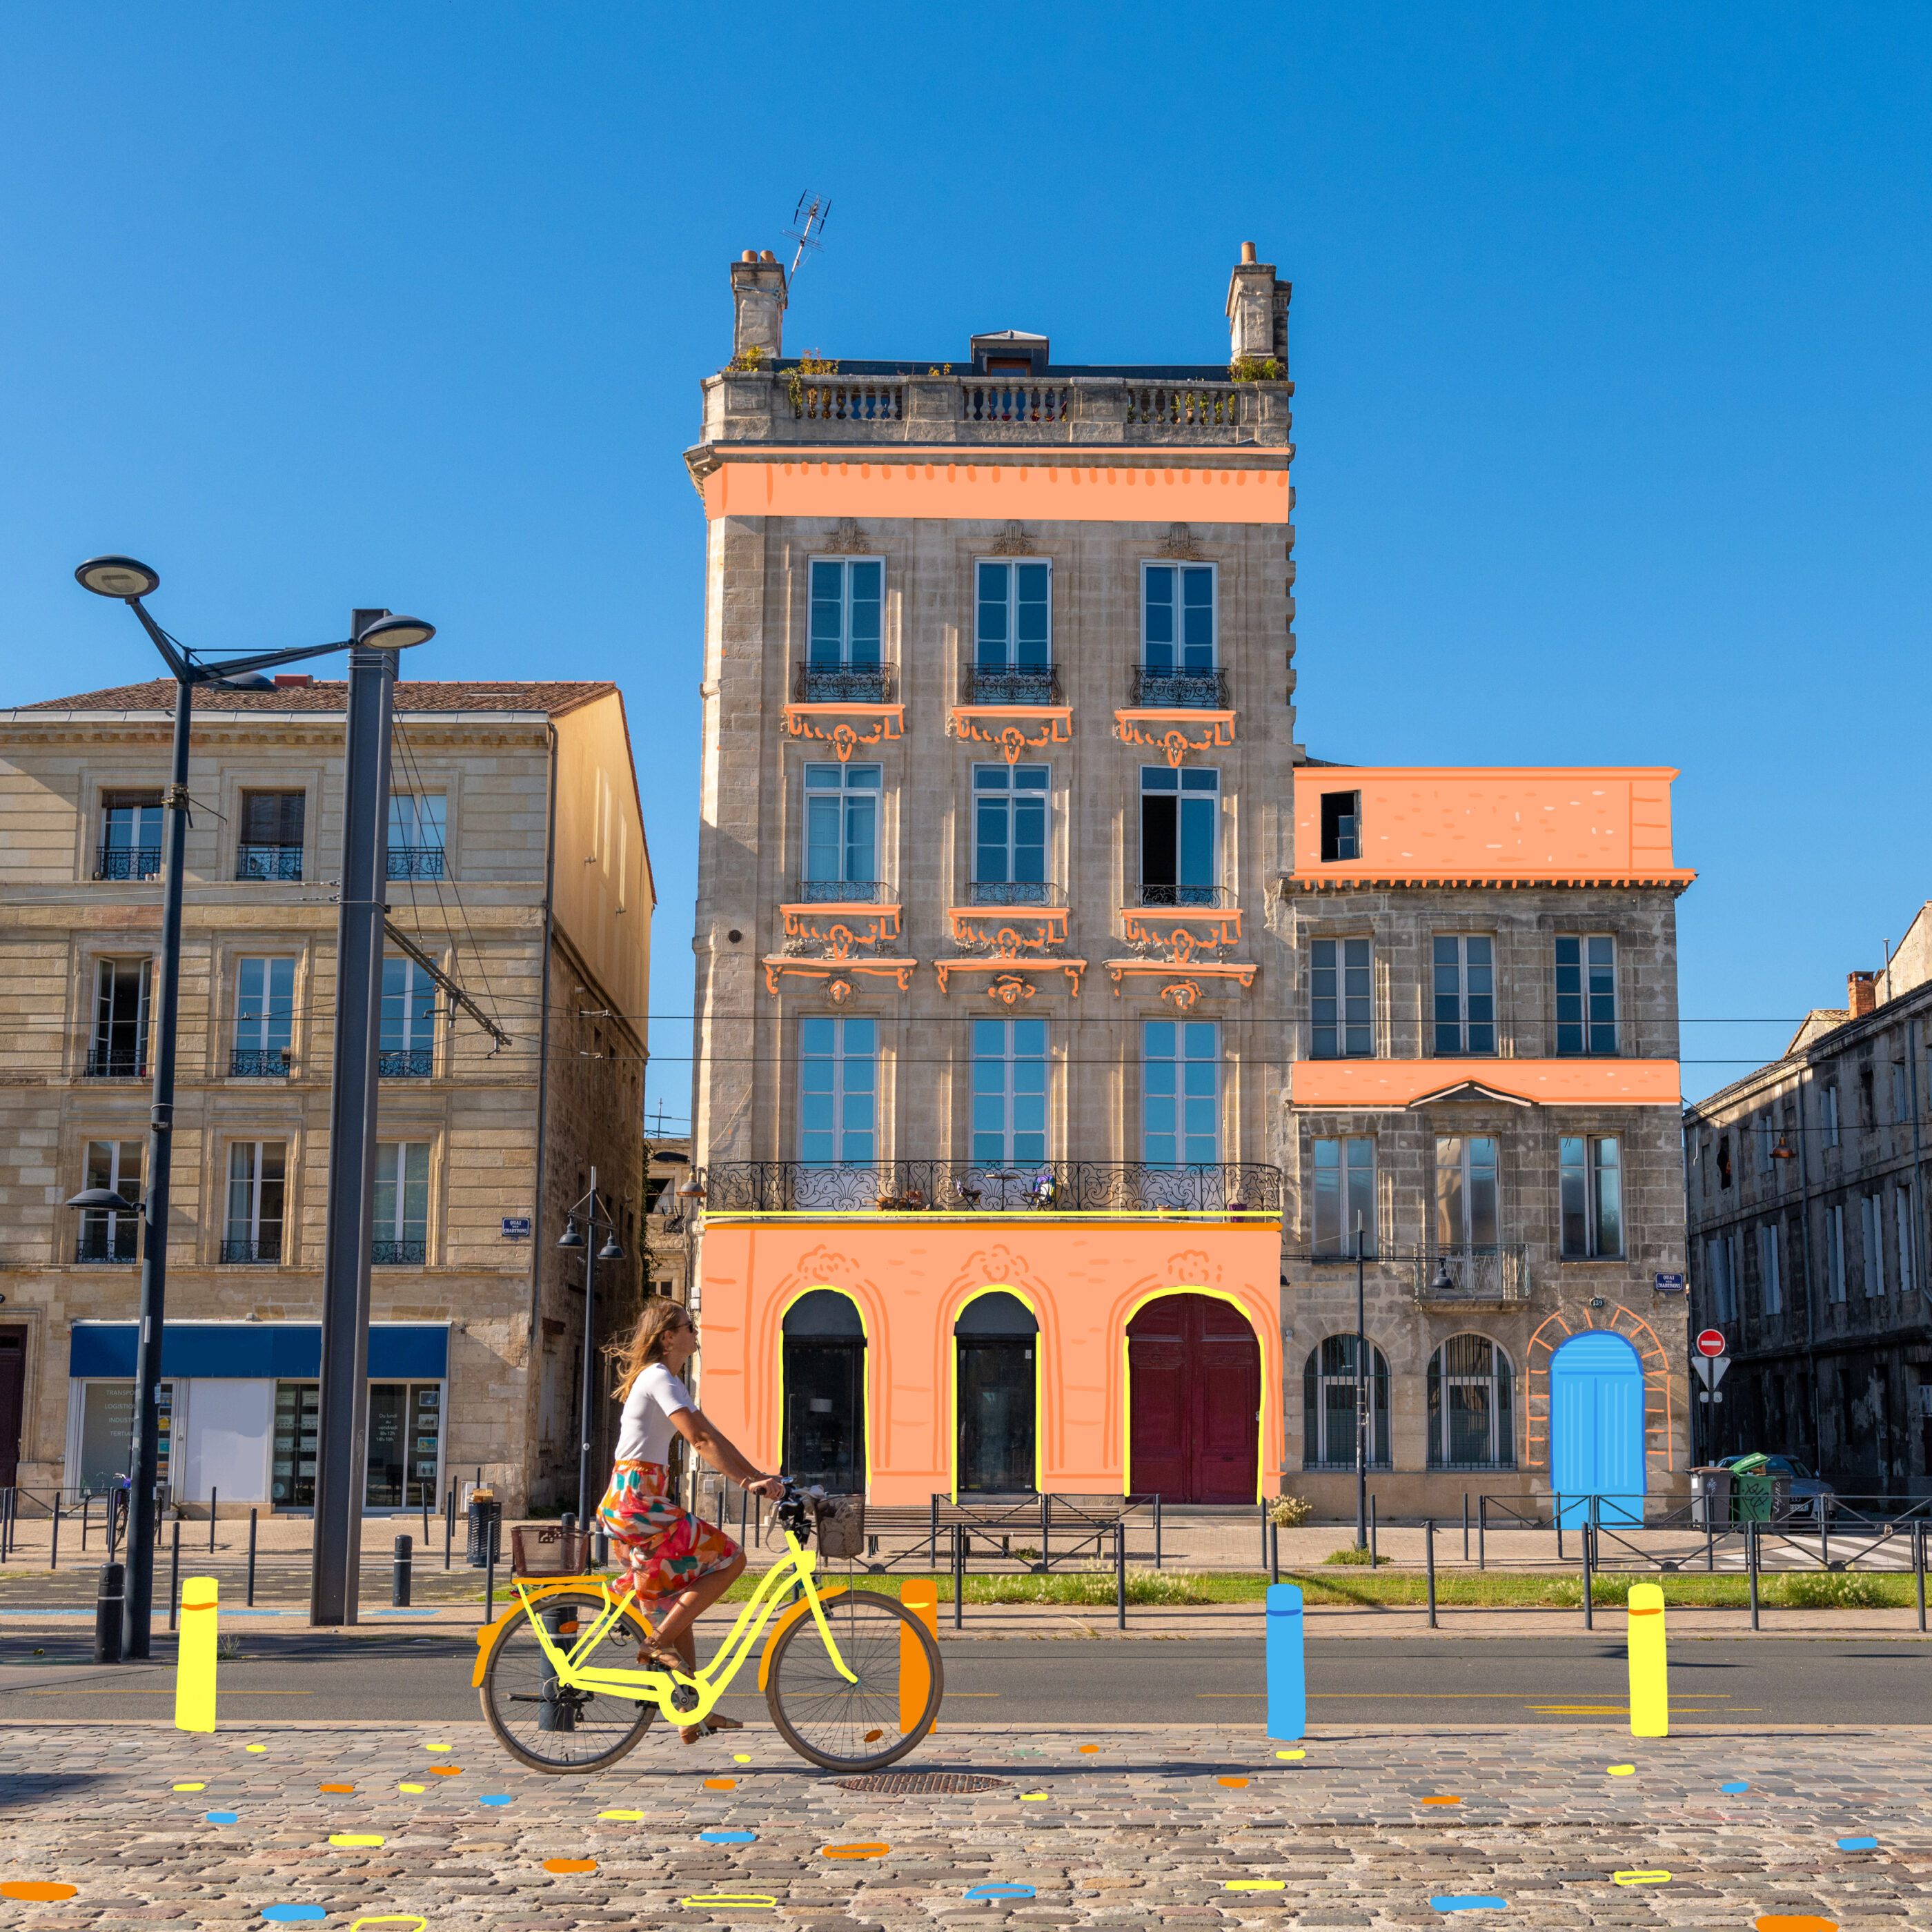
(127, 581)
(591, 1208)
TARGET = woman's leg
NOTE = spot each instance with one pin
(674, 1626)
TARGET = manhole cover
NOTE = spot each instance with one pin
(917, 1783)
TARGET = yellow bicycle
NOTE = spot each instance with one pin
(561, 1689)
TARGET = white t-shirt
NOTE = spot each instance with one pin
(656, 1397)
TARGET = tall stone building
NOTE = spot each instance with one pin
(1030, 946)
(1805, 1187)
(517, 865)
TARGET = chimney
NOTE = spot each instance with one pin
(1257, 310)
(758, 305)
(1861, 994)
(294, 680)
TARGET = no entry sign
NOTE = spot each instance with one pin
(1710, 1341)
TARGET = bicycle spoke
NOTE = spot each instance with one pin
(548, 1726)
(840, 1724)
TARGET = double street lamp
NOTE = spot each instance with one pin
(124, 579)
(592, 1209)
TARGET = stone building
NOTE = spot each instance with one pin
(517, 865)
(1805, 1203)
(1019, 910)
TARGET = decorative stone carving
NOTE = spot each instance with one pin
(848, 540)
(1012, 541)
(1179, 544)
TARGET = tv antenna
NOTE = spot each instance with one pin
(807, 227)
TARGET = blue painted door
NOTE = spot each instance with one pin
(1596, 1428)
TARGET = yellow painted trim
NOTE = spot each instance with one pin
(787, 1618)
(866, 1374)
(1039, 1377)
(1127, 1378)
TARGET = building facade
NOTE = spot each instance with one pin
(518, 867)
(1055, 1011)
(1804, 1188)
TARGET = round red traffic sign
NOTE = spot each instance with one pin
(1710, 1341)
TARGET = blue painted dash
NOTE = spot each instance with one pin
(1858, 1844)
(495, 1798)
(1001, 1891)
(1469, 1901)
(1737, 1784)
(285, 1914)
(224, 1817)
(726, 1837)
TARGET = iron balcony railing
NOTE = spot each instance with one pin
(844, 684)
(1053, 1186)
(117, 1063)
(1010, 684)
(1212, 897)
(266, 1246)
(268, 862)
(415, 862)
(1015, 892)
(413, 1063)
(259, 1062)
(1150, 688)
(398, 1254)
(841, 891)
(95, 1246)
(128, 862)
(1498, 1271)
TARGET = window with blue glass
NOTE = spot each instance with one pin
(1009, 1092)
(406, 1048)
(265, 1013)
(1586, 994)
(841, 830)
(1465, 994)
(848, 596)
(1180, 1092)
(1013, 625)
(838, 1090)
(1010, 833)
(1177, 617)
(1341, 1004)
(1180, 833)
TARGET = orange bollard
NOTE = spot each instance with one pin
(921, 1597)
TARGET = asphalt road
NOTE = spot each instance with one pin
(1392, 1681)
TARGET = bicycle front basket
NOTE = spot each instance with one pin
(841, 1527)
(544, 1549)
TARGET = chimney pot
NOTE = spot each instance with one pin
(1861, 994)
(1247, 251)
(299, 680)
(749, 255)
(766, 255)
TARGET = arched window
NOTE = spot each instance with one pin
(995, 1338)
(1328, 1406)
(824, 1391)
(1471, 1406)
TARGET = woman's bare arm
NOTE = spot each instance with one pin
(717, 1449)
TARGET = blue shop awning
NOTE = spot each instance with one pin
(281, 1350)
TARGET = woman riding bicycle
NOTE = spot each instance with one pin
(678, 1562)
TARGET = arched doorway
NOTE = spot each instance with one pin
(996, 1346)
(1195, 1371)
(1596, 1427)
(825, 1392)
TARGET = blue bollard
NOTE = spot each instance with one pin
(1287, 1673)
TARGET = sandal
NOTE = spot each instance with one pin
(653, 1657)
(690, 1733)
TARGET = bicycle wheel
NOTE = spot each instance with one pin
(845, 1727)
(545, 1724)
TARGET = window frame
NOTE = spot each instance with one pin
(1176, 1069)
(406, 1038)
(99, 1227)
(1012, 1098)
(1500, 1380)
(1834, 1251)
(849, 793)
(269, 1021)
(1011, 660)
(1469, 1172)
(140, 800)
(1590, 1179)
(999, 783)
(1770, 1271)
(256, 1183)
(1160, 784)
(1352, 1187)
(840, 1090)
(1332, 821)
(1464, 1026)
(1340, 1026)
(844, 660)
(1871, 1229)
(1317, 1378)
(1827, 1113)
(1177, 646)
(392, 1232)
(1585, 1026)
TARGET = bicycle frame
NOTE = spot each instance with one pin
(797, 1565)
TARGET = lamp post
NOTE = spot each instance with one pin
(590, 1208)
(123, 579)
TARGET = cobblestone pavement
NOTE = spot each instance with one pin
(1114, 1828)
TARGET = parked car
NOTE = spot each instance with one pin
(1810, 1495)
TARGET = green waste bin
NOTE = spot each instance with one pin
(1751, 1489)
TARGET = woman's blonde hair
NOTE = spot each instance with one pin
(660, 1318)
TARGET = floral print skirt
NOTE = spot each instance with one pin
(663, 1548)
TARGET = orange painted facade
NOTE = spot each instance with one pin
(911, 1276)
(1580, 1081)
(1438, 825)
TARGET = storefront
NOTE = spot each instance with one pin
(239, 1405)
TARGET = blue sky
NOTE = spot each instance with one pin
(1609, 334)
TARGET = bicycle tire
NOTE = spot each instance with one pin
(815, 1710)
(517, 1678)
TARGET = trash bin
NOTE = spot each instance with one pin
(1751, 1490)
(486, 1514)
(1710, 1498)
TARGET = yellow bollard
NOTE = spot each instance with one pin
(194, 1661)
(1649, 1663)
(922, 1598)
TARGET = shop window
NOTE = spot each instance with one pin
(995, 1341)
(404, 1440)
(107, 1434)
(824, 1392)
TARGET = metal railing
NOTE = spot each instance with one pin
(264, 1247)
(1010, 684)
(259, 1062)
(415, 861)
(1015, 892)
(128, 862)
(409, 1063)
(1149, 687)
(814, 399)
(1210, 897)
(844, 684)
(93, 1248)
(116, 1063)
(398, 1254)
(1055, 1186)
(984, 400)
(1497, 1272)
(268, 862)
(842, 892)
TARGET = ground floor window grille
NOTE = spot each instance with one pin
(1471, 1406)
(1328, 1406)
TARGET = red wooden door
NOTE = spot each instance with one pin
(1196, 1371)
(12, 1395)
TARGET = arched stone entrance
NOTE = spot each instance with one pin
(1194, 1370)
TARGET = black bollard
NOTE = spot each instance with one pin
(399, 1582)
(251, 1559)
(212, 1494)
(174, 1579)
(54, 1563)
(109, 1602)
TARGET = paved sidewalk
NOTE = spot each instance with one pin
(1131, 1829)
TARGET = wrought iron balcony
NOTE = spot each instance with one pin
(398, 1254)
(1150, 688)
(413, 1063)
(1015, 892)
(266, 1246)
(844, 684)
(840, 891)
(117, 1063)
(953, 1186)
(259, 1062)
(1209, 897)
(268, 862)
(95, 1246)
(1010, 684)
(1498, 1271)
(415, 862)
(128, 862)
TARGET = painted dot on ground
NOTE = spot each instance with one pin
(1736, 1784)
(202, 1787)
(757, 1901)
(446, 1771)
(290, 1915)
(1442, 1800)
(1035, 1797)
(1254, 1884)
(37, 1888)
(1001, 1892)
(354, 1838)
(853, 1851)
(726, 1837)
(1858, 1844)
(1640, 1878)
(741, 1757)
(349, 1789)
(224, 1817)
(1233, 1783)
(1294, 1753)
(255, 1747)
(495, 1798)
(436, 1747)
(1088, 1750)
(1798, 1921)
(1470, 1901)
(623, 1817)
(721, 1784)
(569, 1865)
(1622, 1770)
(412, 1787)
